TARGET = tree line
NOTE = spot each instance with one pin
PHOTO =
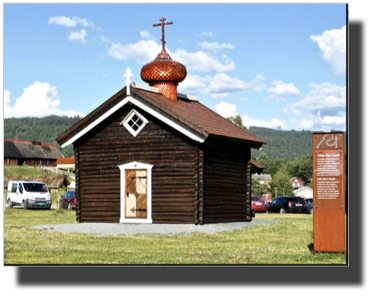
(44, 130)
(280, 144)
(286, 154)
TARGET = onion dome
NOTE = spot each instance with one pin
(163, 69)
(163, 73)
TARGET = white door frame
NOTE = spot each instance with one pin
(134, 166)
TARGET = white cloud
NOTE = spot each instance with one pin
(225, 109)
(70, 22)
(220, 85)
(200, 61)
(332, 120)
(318, 122)
(143, 51)
(257, 83)
(282, 90)
(332, 45)
(219, 95)
(146, 35)
(7, 106)
(304, 124)
(204, 33)
(78, 36)
(329, 99)
(104, 39)
(38, 100)
(214, 47)
(274, 123)
(194, 84)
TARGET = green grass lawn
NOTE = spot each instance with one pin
(286, 242)
(21, 171)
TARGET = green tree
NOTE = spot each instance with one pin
(281, 184)
(263, 160)
(257, 188)
(305, 171)
(237, 121)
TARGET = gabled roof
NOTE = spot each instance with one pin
(187, 116)
(203, 117)
(30, 150)
(294, 177)
(302, 189)
(255, 164)
(264, 177)
(65, 161)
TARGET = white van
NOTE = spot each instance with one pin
(28, 194)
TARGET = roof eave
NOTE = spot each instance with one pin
(154, 110)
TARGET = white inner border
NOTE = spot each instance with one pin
(129, 128)
(137, 103)
(134, 166)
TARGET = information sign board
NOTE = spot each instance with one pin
(328, 192)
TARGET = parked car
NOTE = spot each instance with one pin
(28, 194)
(258, 204)
(287, 205)
(68, 200)
(309, 205)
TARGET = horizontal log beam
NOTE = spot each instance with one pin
(100, 214)
(101, 219)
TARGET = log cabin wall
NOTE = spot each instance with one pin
(99, 152)
(226, 180)
(10, 161)
(29, 162)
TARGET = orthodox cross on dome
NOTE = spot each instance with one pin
(162, 24)
(128, 74)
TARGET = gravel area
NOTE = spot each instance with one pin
(167, 229)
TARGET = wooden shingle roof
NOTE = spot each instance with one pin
(30, 150)
(203, 117)
(191, 114)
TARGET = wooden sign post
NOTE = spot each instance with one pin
(328, 192)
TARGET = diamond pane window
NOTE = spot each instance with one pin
(134, 122)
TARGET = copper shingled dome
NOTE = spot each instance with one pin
(163, 69)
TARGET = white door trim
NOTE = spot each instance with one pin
(133, 166)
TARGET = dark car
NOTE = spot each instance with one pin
(287, 205)
(309, 205)
(258, 204)
(68, 200)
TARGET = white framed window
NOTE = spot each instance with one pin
(134, 122)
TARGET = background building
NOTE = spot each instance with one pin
(30, 153)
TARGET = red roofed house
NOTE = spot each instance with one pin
(296, 182)
(151, 155)
(256, 167)
(30, 153)
(267, 197)
(66, 163)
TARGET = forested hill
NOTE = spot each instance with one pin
(40, 129)
(280, 143)
(287, 144)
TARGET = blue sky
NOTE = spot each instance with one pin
(274, 65)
